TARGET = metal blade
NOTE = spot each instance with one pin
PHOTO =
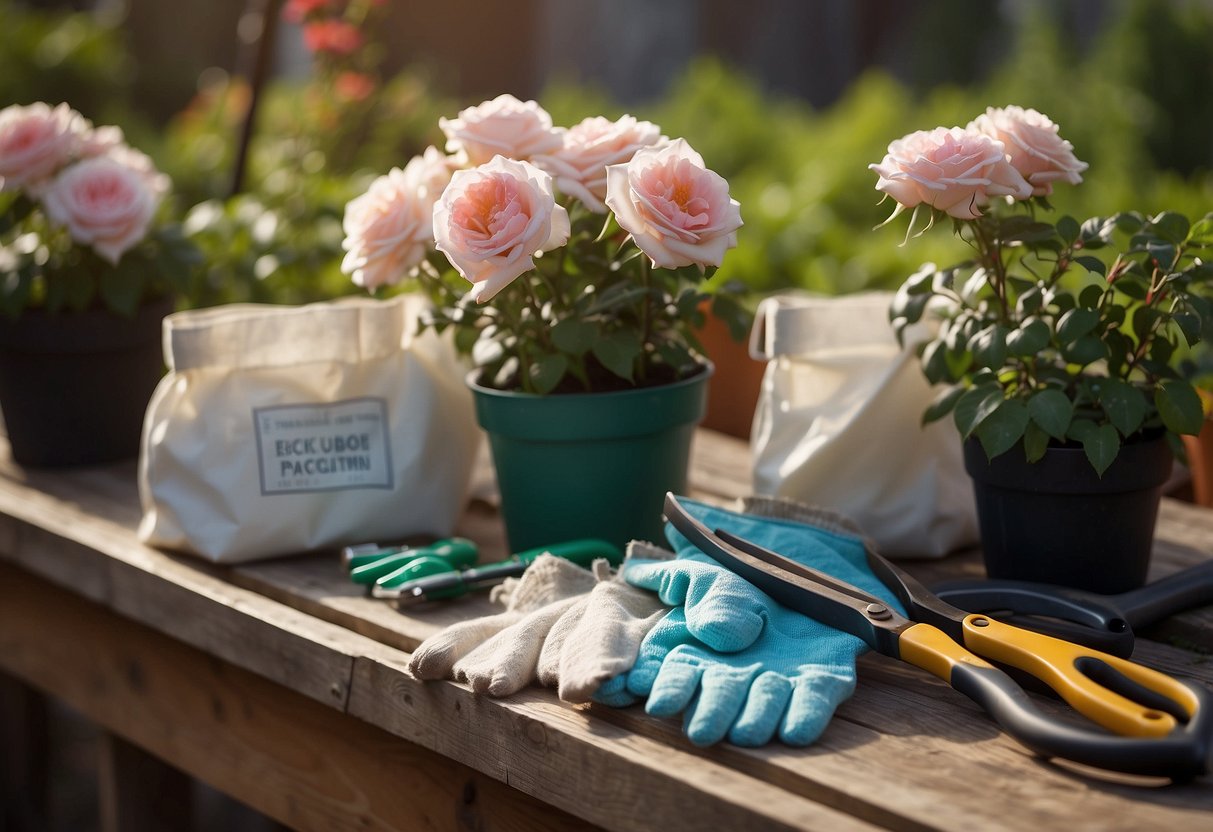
(852, 611)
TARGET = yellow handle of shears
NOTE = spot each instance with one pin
(1065, 667)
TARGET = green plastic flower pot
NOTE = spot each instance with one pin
(589, 464)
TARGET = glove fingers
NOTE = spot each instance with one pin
(722, 693)
(669, 632)
(548, 669)
(814, 700)
(606, 639)
(729, 616)
(506, 663)
(614, 693)
(674, 687)
(435, 657)
(763, 711)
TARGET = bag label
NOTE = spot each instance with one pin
(323, 447)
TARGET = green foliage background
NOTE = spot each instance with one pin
(1134, 101)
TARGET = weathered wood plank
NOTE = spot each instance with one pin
(572, 759)
(281, 753)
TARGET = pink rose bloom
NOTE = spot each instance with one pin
(35, 143)
(678, 212)
(1033, 146)
(102, 203)
(579, 165)
(97, 141)
(389, 229)
(504, 126)
(953, 170)
(492, 220)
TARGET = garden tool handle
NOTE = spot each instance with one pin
(1097, 685)
(1182, 754)
(1188, 588)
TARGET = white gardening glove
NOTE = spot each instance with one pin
(497, 654)
(598, 636)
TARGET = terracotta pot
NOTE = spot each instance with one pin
(1200, 464)
(733, 393)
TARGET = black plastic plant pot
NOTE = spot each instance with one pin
(1057, 521)
(74, 386)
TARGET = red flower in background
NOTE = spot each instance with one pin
(354, 86)
(335, 36)
(296, 11)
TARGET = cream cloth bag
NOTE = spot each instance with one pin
(282, 429)
(838, 425)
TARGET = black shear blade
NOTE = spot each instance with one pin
(851, 609)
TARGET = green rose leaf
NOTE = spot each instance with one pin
(1101, 445)
(1068, 229)
(1035, 441)
(1124, 404)
(1092, 264)
(1171, 225)
(574, 336)
(1090, 297)
(1076, 323)
(943, 404)
(1086, 350)
(1161, 253)
(1179, 406)
(1132, 285)
(1005, 426)
(921, 282)
(546, 372)
(618, 352)
(990, 346)
(1029, 339)
(1190, 325)
(935, 361)
(1052, 411)
(974, 406)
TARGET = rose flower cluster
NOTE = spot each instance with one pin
(86, 179)
(490, 204)
(1006, 152)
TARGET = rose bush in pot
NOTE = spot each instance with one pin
(569, 265)
(88, 268)
(1058, 344)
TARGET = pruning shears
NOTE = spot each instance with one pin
(1161, 726)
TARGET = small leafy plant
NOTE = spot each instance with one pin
(1068, 332)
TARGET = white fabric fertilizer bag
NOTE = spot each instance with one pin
(282, 429)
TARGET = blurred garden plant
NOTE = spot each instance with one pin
(1065, 332)
(592, 244)
(79, 213)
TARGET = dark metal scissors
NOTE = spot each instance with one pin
(1164, 723)
(1106, 622)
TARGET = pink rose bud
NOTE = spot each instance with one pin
(36, 142)
(678, 212)
(389, 229)
(103, 203)
(579, 165)
(952, 170)
(504, 126)
(492, 220)
(1033, 146)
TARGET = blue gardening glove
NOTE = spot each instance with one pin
(740, 665)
